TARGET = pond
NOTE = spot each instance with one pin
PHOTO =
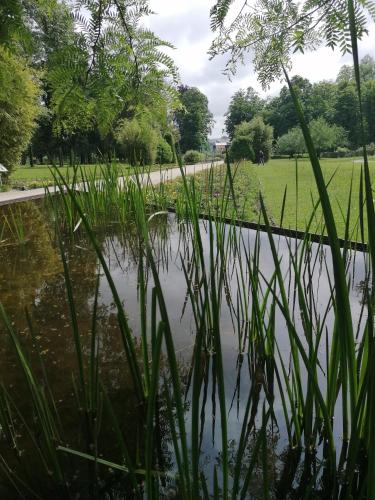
(34, 295)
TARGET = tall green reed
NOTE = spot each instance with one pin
(222, 271)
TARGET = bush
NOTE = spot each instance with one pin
(359, 151)
(18, 108)
(241, 149)
(164, 152)
(137, 141)
(259, 134)
(288, 157)
(347, 153)
(291, 143)
(192, 156)
(343, 152)
(327, 137)
(331, 154)
(170, 138)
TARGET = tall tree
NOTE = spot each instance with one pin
(366, 69)
(259, 134)
(194, 120)
(347, 112)
(18, 107)
(244, 106)
(369, 109)
(280, 110)
(100, 67)
(323, 99)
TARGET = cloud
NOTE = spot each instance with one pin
(180, 28)
(186, 24)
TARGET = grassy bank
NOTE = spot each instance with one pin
(301, 193)
(41, 175)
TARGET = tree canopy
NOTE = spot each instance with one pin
(243, 107)
(259, 136)
(335, 102)
(98, 65)
(194, 120)
(18, 107)
(326, 137)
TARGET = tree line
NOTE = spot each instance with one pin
(330, 107)
(89, 84)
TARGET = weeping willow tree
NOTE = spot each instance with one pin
(114, 69)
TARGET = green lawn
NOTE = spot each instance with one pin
(41, 175)
(271, 181)
(250, 179)
(278, 174)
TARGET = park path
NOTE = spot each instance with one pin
(15, 196)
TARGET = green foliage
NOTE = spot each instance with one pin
(113, 68)
(11, 21)
(19, 107)
(369, 109)
(194, 120)
(164, 152)
(325, 136)
(291, 143)
(23, 25)
(275, 30)
(244, 105)
(347, 112)
(241, 149)
(191, 157)
(261, 137)
(336, 102)
(366, 69)
(280, 112)
(138, 141)
(259, 134)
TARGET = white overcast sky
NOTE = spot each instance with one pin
(186, 24)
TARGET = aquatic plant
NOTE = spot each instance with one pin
(281, 331)
(12, 228)
(304, 363)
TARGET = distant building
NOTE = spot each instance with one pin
(221, 144)
(3, 170)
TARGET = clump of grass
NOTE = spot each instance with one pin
(12, 227)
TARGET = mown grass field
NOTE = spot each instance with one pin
(302, 193)
(271, 181)
(38, 176)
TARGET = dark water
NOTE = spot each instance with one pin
(32, 279)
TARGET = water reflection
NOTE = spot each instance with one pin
(31, 277)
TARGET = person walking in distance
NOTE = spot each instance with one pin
(261, 158)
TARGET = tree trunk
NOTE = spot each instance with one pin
(31, 155)
(61, 158)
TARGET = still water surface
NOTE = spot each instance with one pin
(32, 279)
